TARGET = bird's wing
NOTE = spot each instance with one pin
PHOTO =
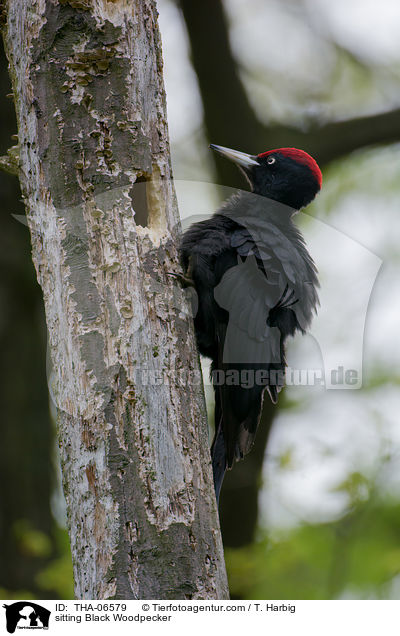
(271, 275)
(248, 295)
(246, 345)
(281, 254)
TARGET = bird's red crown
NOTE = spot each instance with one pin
(301, 157)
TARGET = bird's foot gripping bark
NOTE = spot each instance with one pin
(185, 281)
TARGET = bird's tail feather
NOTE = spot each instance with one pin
(237, 413)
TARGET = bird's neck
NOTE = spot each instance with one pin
(251, 204)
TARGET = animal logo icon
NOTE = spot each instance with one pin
(25, 614)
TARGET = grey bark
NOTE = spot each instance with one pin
(87, 80)
(26, 429)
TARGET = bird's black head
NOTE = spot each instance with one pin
(287, 175)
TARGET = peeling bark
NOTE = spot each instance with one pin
(87, 76)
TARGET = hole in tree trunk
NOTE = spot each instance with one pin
(138, 195)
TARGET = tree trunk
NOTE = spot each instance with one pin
(26, 430)
(87, 78)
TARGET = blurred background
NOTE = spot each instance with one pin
(314, 511)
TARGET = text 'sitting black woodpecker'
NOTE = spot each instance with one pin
(256, 285)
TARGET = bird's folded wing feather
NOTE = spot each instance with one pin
(284, 261)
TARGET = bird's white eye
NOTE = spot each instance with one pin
(271, 160)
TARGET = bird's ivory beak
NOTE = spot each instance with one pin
(240, 158)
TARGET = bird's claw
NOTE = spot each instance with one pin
(185, 281)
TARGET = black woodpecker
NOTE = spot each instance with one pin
(256, 285)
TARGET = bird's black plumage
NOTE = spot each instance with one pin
(256, 285)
